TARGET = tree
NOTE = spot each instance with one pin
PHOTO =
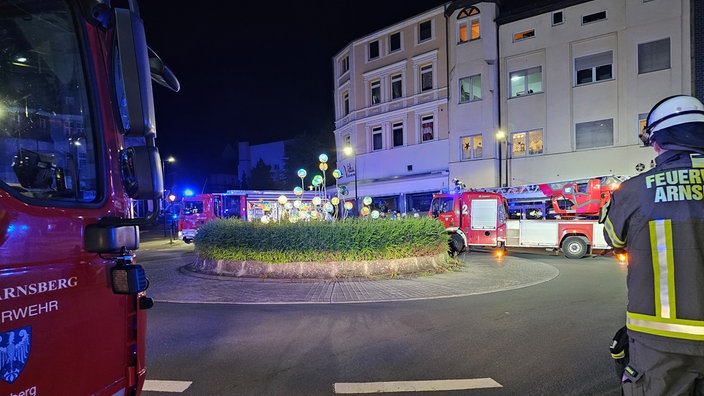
(302, 152)
(261, 178)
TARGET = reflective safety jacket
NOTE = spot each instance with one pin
(658, 216)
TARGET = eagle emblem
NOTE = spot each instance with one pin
(14, 352)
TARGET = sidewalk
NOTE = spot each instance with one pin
(482, 273)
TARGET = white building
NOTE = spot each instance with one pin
(568, 83)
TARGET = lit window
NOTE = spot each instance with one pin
(470, 88)
(471, 147)
(426, 125)
(524, 35)
(594, 134)
(397, 134)
(395, 42)
(593, 68)
(527, 81)
(377, 138)
(654, 56)
(426, 78)
(375, 87)
(374, 50)
(425, 31)
(642, 122)
(468, 24)
(396, 86)
(527, 143)
(595, 17)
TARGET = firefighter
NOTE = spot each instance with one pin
(658, 217)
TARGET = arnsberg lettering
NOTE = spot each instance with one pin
(30, 289)
(677, 185)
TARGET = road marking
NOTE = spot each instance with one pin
(166, 386)
(416, 386)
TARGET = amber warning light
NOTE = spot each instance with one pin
(128, 278)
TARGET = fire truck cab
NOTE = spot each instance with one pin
(77, 155)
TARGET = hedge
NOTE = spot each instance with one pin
(319, 241)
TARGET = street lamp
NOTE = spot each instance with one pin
(500, 137)
(348, 150)
(170, 159)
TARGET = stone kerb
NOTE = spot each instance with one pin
(327, 270)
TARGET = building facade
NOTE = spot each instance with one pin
(391, 117)
(553, 92)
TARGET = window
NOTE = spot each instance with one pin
(595, 17)
(425, 31)
(377, 138)
(471, 147)
(642, 122)
(347, 140)
(654, 56)
(426, 125)
(344, 64)
(426, 78)
(470, 88)
(557, 18)
(528, 81)
(375, 87)
(345, 103)
(396, 86)
(527, 143)
(468, 25)
(395, 42)
(50, 152)
(592, 68)
(374, 50)
(524, 35)
(594, 134)
(397, 134)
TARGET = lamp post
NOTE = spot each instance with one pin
(500, 137)
(348, 150)
(170, 159)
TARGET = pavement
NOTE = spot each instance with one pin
(482, 272)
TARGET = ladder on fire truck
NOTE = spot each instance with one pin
(580, 198)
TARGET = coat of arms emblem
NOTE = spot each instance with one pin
(14, 352)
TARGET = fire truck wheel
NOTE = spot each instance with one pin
(575, 247)
(456, 244)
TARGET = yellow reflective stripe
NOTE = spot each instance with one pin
(663, 268)
(673, 328)
(615, 240)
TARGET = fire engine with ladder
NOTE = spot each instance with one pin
(78, 160)
(560, 216)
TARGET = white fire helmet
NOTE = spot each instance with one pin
(671, 111)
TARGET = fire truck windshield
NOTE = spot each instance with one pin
(47, 145)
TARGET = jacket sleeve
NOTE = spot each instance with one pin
(614, 215)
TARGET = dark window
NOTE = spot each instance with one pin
(376, 139)
(396, 86)
(557, 18)
(398, 134)
(597, 16)
(425, 31)
(373, 50)
(654, 56)
(395, 42)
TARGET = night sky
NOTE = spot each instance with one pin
(259, 73)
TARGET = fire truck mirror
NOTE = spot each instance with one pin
(132, 76)
(161, 74)
(141, 172)
(100, 239)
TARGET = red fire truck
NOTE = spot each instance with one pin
(242, 204)
(481, 219)
(77, 152)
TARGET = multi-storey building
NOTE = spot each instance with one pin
(555, 91)
(391, 113)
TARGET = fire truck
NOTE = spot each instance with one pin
(77, 155)
(555, 217)
(242, 204)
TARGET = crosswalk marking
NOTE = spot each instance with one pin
(166, 386)
(415, 386)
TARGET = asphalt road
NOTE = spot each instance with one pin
(547, 336)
